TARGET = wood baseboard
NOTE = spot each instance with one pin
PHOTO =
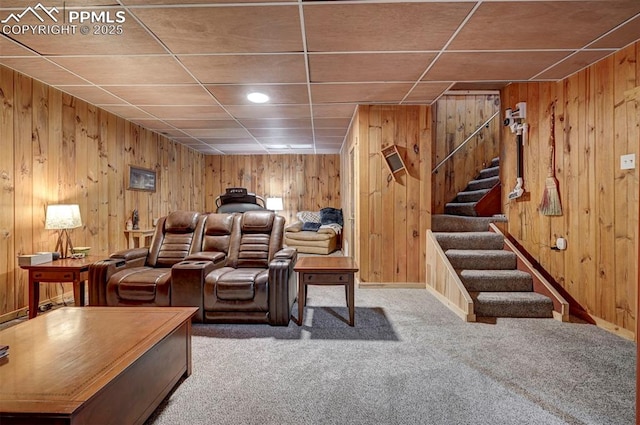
(15, 314)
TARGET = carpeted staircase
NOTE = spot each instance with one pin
(487, 270)
(466, 202)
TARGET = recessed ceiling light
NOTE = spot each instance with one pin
(256, 97)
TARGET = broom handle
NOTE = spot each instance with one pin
(552, 142)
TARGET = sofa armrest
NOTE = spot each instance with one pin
(135, 257)
(290, 253)
(187, 284)
(294, 227)
(283, 288)
(213, 256)
(99, 274)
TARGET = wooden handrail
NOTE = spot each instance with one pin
(485, 124)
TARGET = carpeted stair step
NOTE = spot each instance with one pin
(471, 195)
(469, 240)
(481, 259)
(490, 172)
(512, 304)
(495, 162)
(483, 183)
(461, 208)
(496, 280)
(454, 223)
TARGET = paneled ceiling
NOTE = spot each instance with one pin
(184, 68)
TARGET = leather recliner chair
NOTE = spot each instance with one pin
(233, 267)
(142, 276)
(256, 283)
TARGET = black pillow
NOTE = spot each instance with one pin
(331, 215)
(313, 227)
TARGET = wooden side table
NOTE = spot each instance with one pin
(326, 271)
(139, 238)
(64, 270)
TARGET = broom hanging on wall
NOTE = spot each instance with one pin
(550, 204)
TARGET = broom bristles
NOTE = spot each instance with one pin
(550, 204)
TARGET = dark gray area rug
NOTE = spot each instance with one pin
(408, 360)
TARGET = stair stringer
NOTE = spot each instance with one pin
(491, 203)
(444, 283)
(540, 284)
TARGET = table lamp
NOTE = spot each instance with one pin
(63, 217)
(275, 204)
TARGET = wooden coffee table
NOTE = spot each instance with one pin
(326, 271)
(93, 365)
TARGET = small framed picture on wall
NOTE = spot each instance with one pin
(141, 179)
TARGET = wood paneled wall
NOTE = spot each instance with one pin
(457, 117)
(59, 149)
(596, 122)
(305, 182)
(391, 216)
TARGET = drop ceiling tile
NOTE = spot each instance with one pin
(493, 66)
(573, 64)
(164, 94)
(327, 141)
(126, 37)
(226, 133)
(10, 48)
(248, 69)
(153, 124)
(621, 37)
(281, 132)
(330, 132)
(123, 70)
(541, 25)
(239, 148)
(272, 111)
(211, 141)
(125, 111)
(92, 94)
(173, 133)
(276, 123)
(359, 93)
(183, 112)
(19, 5)
(368, 67)
(331, 122)
(42, 70)
(426, 92)
(199, 124)
(471, 86)
(173, 2)
(225, 29)
(383, 26)
(336, 110)
(236, 94)
(285, 140)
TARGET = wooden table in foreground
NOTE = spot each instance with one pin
(93, 365)
(74, 270)
(326, 271)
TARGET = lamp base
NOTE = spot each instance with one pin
(64, 245)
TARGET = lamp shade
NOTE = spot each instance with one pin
(275, 204)
(63, 216)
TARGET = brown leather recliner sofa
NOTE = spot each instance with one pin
(233, 267)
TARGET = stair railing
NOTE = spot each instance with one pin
(478, 130)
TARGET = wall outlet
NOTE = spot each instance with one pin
(628, 162)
